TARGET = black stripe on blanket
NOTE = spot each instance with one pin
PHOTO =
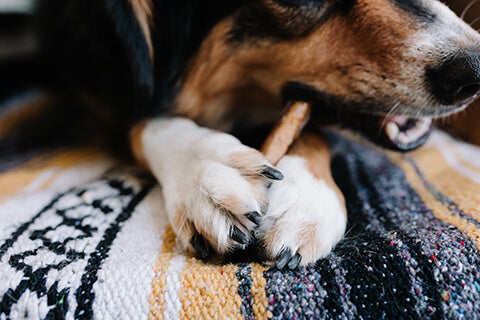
(85, 217)
(397, 262)
(245, 290)
(84, 294)
(451, 205)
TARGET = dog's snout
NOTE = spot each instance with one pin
(456, 81)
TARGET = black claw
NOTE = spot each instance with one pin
(237, 235)
(255, 217)
(238, 247)
(293, 264)
(272, 173)
(201, 245)
(283, 258)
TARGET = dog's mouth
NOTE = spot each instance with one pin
(406, 133)
(396, 132)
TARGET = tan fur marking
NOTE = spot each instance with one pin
(233, 204)
(248, 165)
(181, 224)
(308, 235)
(362, 54)
(271, 237)
(184, 230)
(258, 187)
(144, 14)
(247, 161)
(136, 143)
(313, 147)
(211, 66)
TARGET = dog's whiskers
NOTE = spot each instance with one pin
(474, 21)
(389, 113)
(467, 8)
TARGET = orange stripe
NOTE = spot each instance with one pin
(454, 185)
(209, 291)
(159, 281)
(259, 293)
(13, 181)
(438, 209)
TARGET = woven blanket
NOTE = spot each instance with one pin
(83, 235)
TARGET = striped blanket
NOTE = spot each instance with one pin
(83, 235)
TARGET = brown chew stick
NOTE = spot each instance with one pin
(286, 130)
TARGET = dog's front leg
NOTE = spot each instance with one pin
(306, 215)
(214, 186)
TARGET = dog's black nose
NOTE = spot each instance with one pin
(457, 80)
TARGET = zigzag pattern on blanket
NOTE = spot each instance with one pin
(79, 240)
(71, 235)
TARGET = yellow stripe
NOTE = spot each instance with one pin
(159, 281)
(438, 209)
(13, 181)
(259, 293)
(454, 185)
(209, 291)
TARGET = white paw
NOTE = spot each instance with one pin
(214, 186)
(305, 218)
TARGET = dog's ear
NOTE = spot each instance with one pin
(98, 48)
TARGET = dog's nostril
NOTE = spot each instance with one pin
(457, 80)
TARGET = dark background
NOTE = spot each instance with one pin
(19, 65)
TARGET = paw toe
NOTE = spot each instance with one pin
(223, 196)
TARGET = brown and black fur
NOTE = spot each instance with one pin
(226, 64)
(128, 56)
(144, 57)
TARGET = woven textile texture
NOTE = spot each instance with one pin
(83, 235)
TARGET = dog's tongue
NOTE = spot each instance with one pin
(406, 133)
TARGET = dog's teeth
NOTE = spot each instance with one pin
(395, 134)
(426, 122)
(392, 130)
(403, 138)
(409, 136)
(413, 134)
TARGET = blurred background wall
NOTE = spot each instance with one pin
(18, 47)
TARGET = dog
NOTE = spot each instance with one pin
(184, 77)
